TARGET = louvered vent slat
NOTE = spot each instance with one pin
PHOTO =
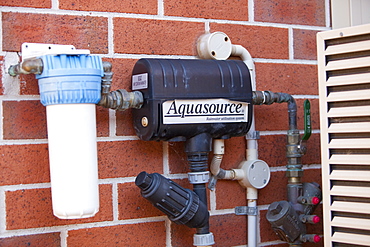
(347, 47)
(350, 143)
(344, 90)
(349, 238)
(350, 111)
(351, 159)
(349, 127)
(348, 63)
(348, 95)
(350, 222)
(351, 79)
(350, 207)
(350, 175)
(351, 191)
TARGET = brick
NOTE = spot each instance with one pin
(275, 190)
(291, 12)
(181, 235)
(275, 116)
(1, 75)
(32, 208)
(230, 194)
(102, 121)
(261, 42)
(133, 235)
(84, 32)
(226, 10)
(124, 123)
(24, 164)
(132, 205)
(312, 175)
(287, 78)
(28, 85)
(129, 158)
(140, 36)
(24, 120)
(177, 158)
(229, 230)
(272, 149)
(122, 69)
(21, 3)
(304, 44)
(137, 7)
(47, 239)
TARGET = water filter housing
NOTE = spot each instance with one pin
(70, 86)
(187, 97)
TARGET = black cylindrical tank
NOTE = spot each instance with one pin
(186, 97)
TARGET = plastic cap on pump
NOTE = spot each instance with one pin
(143, 180)
(316, 239)
(315, 200)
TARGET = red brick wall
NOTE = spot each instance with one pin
(280, 35)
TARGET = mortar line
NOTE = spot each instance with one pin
(1, 121)
(207, 27)
(110, 35)
(54, 4)
(160, 7)
(168, 232)
(115, 202)
(63, 238)
(1, 33)
(157, 17)
(251, 10)
(2, 211)
(213, 200)
(51, 229)
(327, 14)
(112, 123)
(291, 43)
(166, 165)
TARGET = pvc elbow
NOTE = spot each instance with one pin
(215, 164)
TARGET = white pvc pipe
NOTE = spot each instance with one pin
(73, 160)
(252, 146)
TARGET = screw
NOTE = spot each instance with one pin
(144, 122)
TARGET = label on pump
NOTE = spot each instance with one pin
(140, 81)
(204, 111)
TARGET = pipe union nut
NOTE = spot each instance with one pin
(294, 173)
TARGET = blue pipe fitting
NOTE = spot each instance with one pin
(70, 79)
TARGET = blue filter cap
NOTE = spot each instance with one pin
(70, 79)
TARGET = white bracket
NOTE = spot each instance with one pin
(33, 50)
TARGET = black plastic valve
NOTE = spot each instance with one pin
(181, 205)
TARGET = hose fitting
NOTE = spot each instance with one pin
(120, 99)
(29, 66)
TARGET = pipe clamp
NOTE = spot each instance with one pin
(244, 210)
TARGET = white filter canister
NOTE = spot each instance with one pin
(73, 160)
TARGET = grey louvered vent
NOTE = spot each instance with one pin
(344, 89)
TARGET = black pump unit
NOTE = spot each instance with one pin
(185, 97)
